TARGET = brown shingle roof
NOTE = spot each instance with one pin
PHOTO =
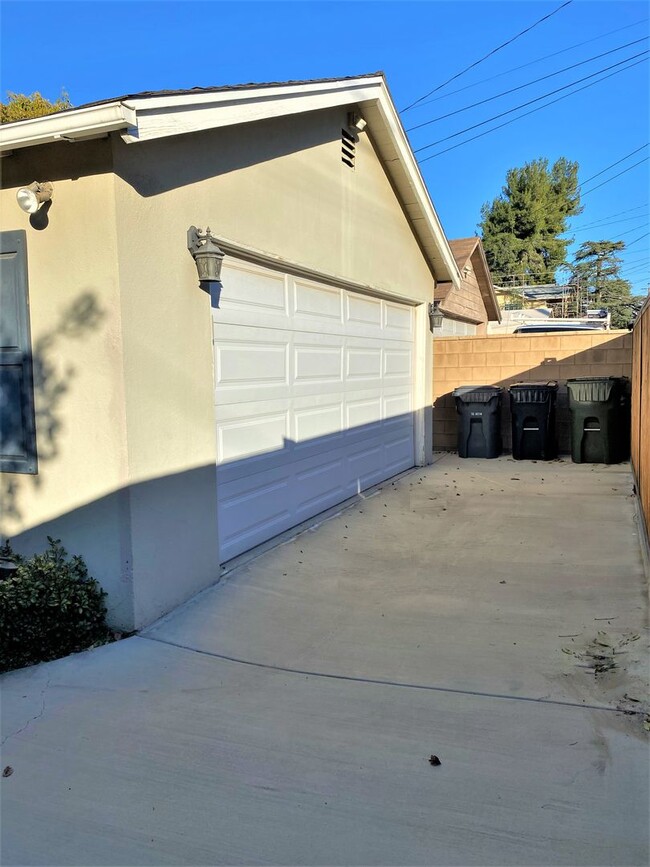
(462, 248)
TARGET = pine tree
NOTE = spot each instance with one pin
(596, 268)
(522, 227)
(20, 106)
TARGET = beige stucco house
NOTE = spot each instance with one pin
(467, 308)
(157, 434)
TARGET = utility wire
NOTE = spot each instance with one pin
(525, 114)
(613, 177)
(597, 228)
(635, 261)
(617, 214)
(531, 63)
(489, 54)
(530, 101)
(640, 238)
(607, 168)
(642, 225)
(527, 84)
(634, 270)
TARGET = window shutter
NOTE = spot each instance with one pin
(17, 425)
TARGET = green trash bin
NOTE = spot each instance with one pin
(599, 407)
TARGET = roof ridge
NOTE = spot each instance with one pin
(224, 88)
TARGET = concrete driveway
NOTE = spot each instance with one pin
(287, 716)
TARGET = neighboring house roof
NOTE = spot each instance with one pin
(469, 251)
(146, 116)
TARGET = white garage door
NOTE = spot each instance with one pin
(313, 399)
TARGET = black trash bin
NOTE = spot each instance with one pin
(600, 419)
(532, 405)
(479, 425)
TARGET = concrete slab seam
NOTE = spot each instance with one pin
(377, 682)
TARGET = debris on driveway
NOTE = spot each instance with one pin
(602, 654)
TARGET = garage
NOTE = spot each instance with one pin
(314, 399)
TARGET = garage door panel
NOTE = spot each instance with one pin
(363, 363)
(362, 413)
(252, 364)
(397, 364)
(398, 321)
(316, 303)
(317, 422)
(255, 435)
(319, 488)
(250, 293)
(362, 310)
(397, 408)
(313, 396)
(317, 364)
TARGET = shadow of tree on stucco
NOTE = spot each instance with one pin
(52, 383)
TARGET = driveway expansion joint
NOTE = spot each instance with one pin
(378, 682)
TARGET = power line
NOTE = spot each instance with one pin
(489, 54)
(618, 235)
(598, 226)
(607, 168)
(640, 238)
(531, 101)
(629, 231)
(607, 216)
(532, 62)
(613, 178)
(635, 261)
(525, 114)
(528, 84)
(634, 270)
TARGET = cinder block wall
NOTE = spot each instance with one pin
(502, 360)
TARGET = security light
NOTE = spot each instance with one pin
(32, 197)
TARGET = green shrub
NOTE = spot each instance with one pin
(48, 608)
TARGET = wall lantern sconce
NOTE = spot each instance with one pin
(208, 257)
(435, 316)
(32, 197)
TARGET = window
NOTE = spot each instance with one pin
(17, 426)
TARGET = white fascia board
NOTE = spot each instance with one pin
(82, 123)
(161, 116)
(402, 166)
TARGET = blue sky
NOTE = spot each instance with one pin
(96, 50)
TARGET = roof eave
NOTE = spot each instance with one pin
(78, 124)
(150, 116)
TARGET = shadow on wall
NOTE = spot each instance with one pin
(51, 385)
(154, 167)
(154, 544)
(613, 358)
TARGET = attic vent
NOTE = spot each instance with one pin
(348, 148)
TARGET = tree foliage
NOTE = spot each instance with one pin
(596, 269)
(21, 106)
(521, 228)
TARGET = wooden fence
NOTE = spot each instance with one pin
(641, 410)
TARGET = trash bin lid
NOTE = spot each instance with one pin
(533, 392)
(477, 393)
(593, 389)
(551, 384)
(595, 378)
